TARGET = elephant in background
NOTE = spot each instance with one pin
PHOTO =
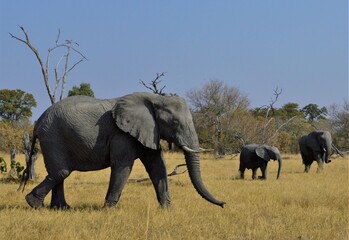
(85, 134)
(254, 156)
(315, 146)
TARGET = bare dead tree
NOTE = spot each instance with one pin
(13, 172)
(60, 79)
(27, 149)
(153, 85)
(268, 119)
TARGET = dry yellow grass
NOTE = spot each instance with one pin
(297, 206)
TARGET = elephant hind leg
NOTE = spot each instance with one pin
(58, 199)
(254, 173)
(36, 197)
(155, 166)
(242, 172)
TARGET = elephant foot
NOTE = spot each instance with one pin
(63, 206)
(34, 201)
(165, 205)
(109, 204)
(329, 160)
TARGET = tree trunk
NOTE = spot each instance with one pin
(27, 149)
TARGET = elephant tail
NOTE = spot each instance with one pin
(27, 172)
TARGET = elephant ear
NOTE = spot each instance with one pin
(262, 152)
(134, 114)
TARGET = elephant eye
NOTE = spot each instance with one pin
(176, 122)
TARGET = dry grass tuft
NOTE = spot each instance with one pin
(297, 206)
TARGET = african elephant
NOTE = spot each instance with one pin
(254, 156)
(84, 134)
(315, 146)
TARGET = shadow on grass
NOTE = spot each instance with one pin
(83, 207)
(10, 180)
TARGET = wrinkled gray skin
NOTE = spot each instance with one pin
(254, 156)
(85, 134)
(315, 146)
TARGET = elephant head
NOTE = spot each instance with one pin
(267, 152)
(325, 142)
(151, 117)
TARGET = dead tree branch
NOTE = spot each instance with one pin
(153, 85)
(69, 46)
(173, 173)
(268, 120)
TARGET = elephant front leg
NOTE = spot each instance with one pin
(120, 172)
(320, 163)
(320, 166)
(264, 169)
(155, 166)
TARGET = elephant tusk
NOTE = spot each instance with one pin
(206, 150)
(187, 149)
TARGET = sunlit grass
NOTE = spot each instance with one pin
(297, 206)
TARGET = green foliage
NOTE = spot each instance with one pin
(313, 113)
(15, 105)
(289, 110)
(17, 167)
(3, 166)
(84, 89)
(11, 135)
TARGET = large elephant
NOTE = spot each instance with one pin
(315, 146)
(84, 134)
(254, 156)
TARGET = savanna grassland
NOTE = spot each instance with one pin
(297, 206)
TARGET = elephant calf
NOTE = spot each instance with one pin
(254, 156)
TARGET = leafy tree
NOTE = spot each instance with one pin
(11, 135)
(289, 110)
(15, 105)
(313, 113)
(84, 89)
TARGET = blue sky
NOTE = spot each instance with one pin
(299, 46)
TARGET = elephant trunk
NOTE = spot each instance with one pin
(279, 167)
(326, 156)
(193, 165)
(326, 145)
